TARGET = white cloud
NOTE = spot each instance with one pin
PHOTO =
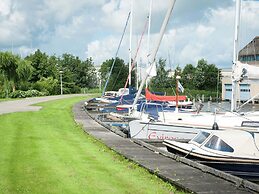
(13, 28)
(212, 37)
(94, 27)
(5, 7)
(204, 31)
(102, 50)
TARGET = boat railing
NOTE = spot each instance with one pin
(152, 109)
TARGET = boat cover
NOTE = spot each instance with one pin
(154, 97)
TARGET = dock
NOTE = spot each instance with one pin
(183, 173)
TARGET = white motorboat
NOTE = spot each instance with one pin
(232, 151)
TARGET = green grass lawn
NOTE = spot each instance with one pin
(46, 152)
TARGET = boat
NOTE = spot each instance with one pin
(111, 99)
(233, 151)
(169, 122)
(183, 102)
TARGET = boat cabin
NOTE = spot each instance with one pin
(228, 142)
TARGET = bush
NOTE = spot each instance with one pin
(87, 90)
(197, 94)
(48, 85)
(70, 88)
(25, 94)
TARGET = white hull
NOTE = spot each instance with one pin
(160, 131)
(185, 125)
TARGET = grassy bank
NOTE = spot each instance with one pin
(46, 152)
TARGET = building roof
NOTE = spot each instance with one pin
(251, 48)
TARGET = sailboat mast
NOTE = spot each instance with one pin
(110, 72)
(148, 34)
(153, 54)
(235, 57)
(130, 40)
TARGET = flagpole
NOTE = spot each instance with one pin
(177, 93)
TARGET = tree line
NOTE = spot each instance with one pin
(202, 76)
(39, 74)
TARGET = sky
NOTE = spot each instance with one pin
(92, 28)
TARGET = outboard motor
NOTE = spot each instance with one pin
(215, 126)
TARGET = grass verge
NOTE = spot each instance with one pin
(46, 152)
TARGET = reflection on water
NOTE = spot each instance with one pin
(225, 106)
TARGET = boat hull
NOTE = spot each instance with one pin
(156, 130)
(236, 167)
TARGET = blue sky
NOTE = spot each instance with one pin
(92, 28)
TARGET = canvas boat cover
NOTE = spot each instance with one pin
(154, 97)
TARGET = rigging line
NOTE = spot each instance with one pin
(188, 153)
(142, 129)
(135, 57)
(124, 30)
(115, 80)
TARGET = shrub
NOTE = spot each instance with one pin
(25, 94)
(48, 85)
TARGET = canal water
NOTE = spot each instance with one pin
(225, 106)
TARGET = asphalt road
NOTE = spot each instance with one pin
(25, 104)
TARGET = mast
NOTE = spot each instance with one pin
(153, 54)
(116, 54)
(235, 57)
(130, 40)
(148, 34)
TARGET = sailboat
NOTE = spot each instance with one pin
(110, 99)
(183, 125)
(234, 150)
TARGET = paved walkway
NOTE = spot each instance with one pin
(25, 104)
(194, 177)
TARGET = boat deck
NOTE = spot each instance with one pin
(181, 172)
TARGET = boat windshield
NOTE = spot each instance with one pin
(200, 137)
(216, 143)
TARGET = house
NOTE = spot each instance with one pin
(247, 88)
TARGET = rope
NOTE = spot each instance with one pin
(124, 30)
(141, 129)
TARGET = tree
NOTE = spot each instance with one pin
(188, 76)
(41, 65)
(205, 76)
(14, 69)
(48, 85)
(86, 74)
(77, 73)
(162, 79)
(118, 76)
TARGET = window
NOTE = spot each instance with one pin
(216, 143)
(228, 90)
(201, 137)
(244, 90)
